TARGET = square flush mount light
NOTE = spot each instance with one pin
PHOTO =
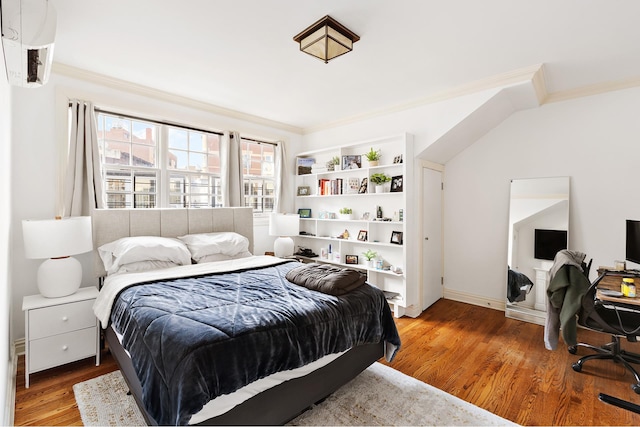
(326, 39)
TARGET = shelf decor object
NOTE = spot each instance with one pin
(284, 226)
(326, 39)
(304, 213)
(396, 184)
(58, 239)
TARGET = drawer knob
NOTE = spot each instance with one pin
(65, 348)
(65, 318)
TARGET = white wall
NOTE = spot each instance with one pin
(6, 336)
(594, 140)
(39, 118)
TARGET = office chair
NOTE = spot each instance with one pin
(618, 320)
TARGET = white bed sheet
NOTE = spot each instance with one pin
(226, 402)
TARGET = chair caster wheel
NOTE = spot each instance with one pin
(635, 388)
(577, 367)
(573, 349)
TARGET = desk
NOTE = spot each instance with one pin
(612, 280)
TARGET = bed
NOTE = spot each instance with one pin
(253, 348)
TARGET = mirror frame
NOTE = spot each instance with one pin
(541, 203)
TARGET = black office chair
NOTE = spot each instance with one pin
(619, 320)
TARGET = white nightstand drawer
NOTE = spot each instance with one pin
(58, 319)
(60, 349)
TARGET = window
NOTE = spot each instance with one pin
(258, 169)
(193, 163)
(129, 153)
(148, 164)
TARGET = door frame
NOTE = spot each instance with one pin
(426, 164)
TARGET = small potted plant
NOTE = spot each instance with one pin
(331, 164)
(373, 156)
(370, 255)
(379, 180)
(345, 213)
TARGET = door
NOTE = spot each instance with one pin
(432, 236)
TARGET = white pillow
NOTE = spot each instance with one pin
(138, 266)
(223, 257)
(142, 248)
(225, 243)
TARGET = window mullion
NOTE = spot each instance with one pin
(163, 184)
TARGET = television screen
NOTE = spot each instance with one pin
(633, 241)
(548, 243)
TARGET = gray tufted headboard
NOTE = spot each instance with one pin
(112, 224)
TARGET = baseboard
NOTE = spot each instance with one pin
(10, 404)
(474, 299)
(19, 346)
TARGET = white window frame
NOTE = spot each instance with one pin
(252, 178)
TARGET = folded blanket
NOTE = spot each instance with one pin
(326, 278)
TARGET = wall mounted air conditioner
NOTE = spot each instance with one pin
(28, 33)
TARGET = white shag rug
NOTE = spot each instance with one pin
(378, 396)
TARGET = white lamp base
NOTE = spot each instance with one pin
(59, 277)
(283, 247)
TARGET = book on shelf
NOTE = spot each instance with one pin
(327, 187)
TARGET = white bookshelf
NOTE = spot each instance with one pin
(398, 211)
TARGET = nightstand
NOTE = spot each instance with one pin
(60, 330)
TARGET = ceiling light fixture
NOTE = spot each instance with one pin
(326, 39)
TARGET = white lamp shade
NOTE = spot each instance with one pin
(55, 238)
(58, 239)
(284, 225)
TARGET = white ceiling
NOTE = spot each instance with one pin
(240, 54)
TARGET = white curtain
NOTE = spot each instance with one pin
(231, 168)
(280, 172)
(83, 190)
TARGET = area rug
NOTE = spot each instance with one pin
(379, 396)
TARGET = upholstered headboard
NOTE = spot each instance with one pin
(112, 224)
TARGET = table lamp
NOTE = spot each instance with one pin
(283, 226)
(58, 239)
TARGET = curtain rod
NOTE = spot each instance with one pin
(168, 123)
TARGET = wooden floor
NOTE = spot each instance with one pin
(472, 352)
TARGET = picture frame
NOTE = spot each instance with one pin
(396, 184)
(396, 237)
(397, 159)
(304, 190)
(305, 164)
(353, 185)
(351, 162)
(304, 213)
(362, 235)
(363, 186)
(351, 259)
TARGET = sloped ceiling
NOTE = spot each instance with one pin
(240, 55)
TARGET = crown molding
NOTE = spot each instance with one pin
(531, 73)
(101, 79)
(594, 89)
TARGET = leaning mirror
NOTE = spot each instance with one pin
(538, 229)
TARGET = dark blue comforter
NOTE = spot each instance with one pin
(196, 338)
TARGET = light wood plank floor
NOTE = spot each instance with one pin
(471, 352)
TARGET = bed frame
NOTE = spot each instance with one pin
(275, 406)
